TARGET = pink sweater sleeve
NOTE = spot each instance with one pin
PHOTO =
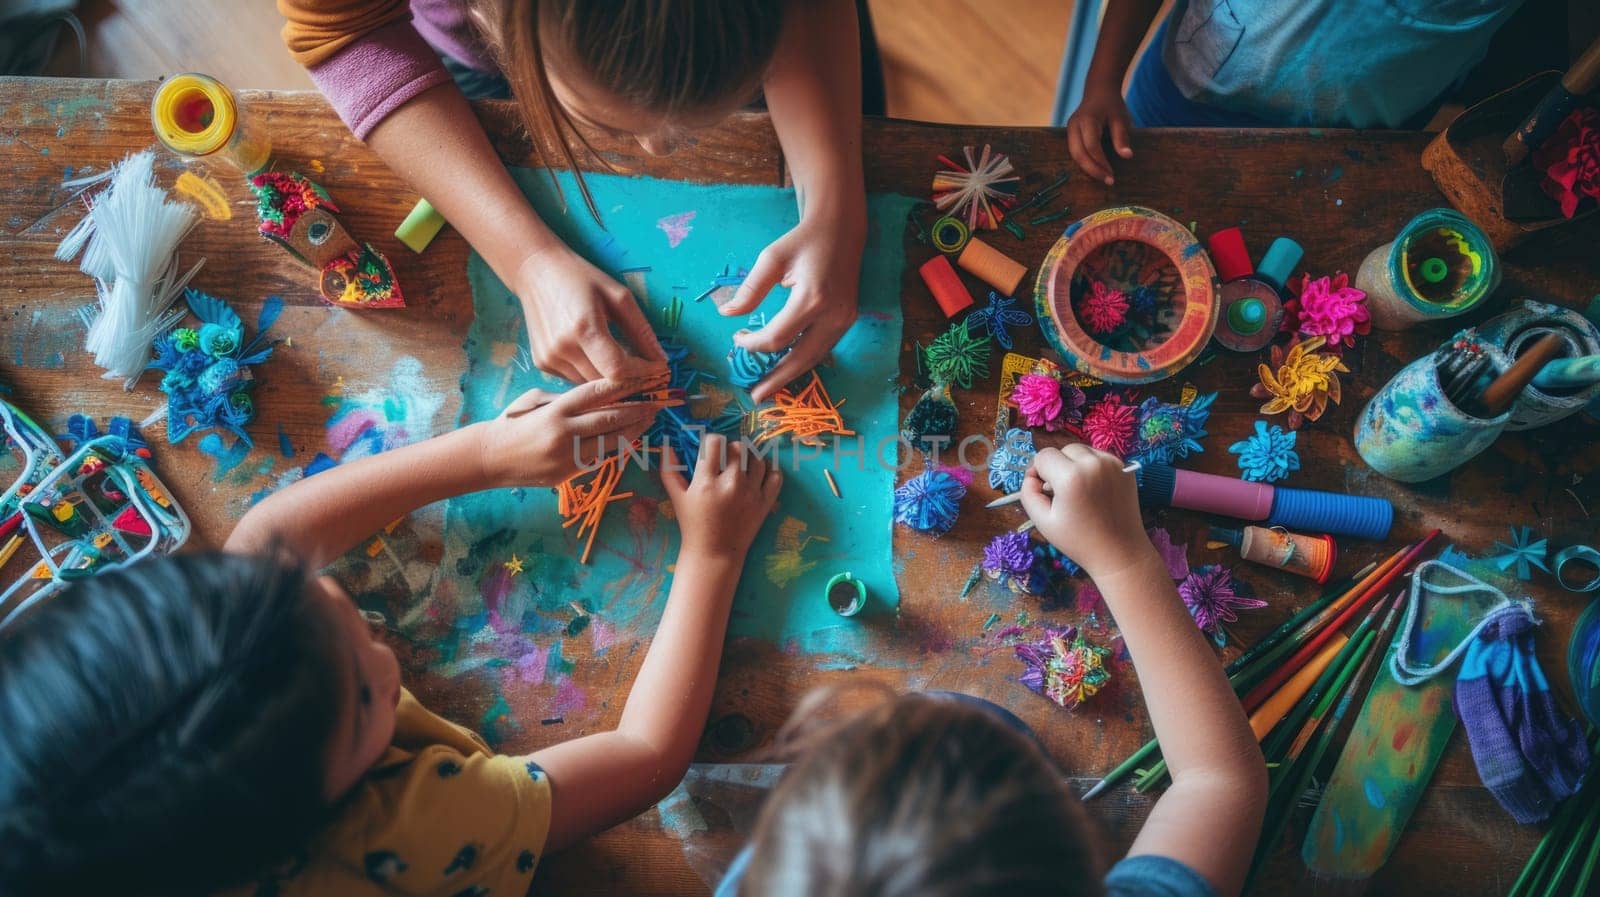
(378, 74)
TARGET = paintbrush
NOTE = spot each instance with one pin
(1569, 373)
(1014, 497)
(1239, 666)
(1499, 395)
(1267, 686)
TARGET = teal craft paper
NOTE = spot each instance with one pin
(667, 239)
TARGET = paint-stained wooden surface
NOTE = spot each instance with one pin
(1338, 193)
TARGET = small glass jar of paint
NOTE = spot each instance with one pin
(198, 117)
(1441, 265)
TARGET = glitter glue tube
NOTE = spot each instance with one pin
(1302, 555)
(991, 266)
(1301, 509)
(198, 117)
(945, 285)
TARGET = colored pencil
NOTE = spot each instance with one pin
(1270, 684)
(1234, 669)
(1274, 746)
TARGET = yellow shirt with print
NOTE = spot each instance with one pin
(439, 815)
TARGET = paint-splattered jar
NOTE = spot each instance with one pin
(1411, 431)
(1516, 331)
(1441, 265)
(198, 117)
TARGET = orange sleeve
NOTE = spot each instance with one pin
(317, 29)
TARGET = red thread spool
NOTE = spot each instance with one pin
(1229, 254)
(945, 285)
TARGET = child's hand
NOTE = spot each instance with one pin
(821, 260)
(570, 306)
(1102, 109)
(542, 438)
(1094, 514)
(732, 492)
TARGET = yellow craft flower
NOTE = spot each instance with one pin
(1300, 381)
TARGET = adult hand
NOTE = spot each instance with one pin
(820, 261)
(570, 306)
(1102, 110)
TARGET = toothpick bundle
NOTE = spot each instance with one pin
(129, 240)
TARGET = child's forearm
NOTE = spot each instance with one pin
(323, 516)
(1211, 816)
(813, 91)
(436, 144)
(1121, 32)
(604, 779)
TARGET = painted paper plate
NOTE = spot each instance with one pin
(1146, 255)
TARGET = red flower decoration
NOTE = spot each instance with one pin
(1108, 425)
(1103, 309)
(1328, 307)
(1570, 160)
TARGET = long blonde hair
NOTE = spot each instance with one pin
(668, 57)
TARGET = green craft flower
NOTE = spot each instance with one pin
(186, 339)
(958, 356)
(218, 341)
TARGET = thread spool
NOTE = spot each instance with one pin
(1279, 262)
(949, 235)
(1229, 254)
(945, 285)
(1302, 555)
(1129, 248)
(1583, 662)
(846, 594)
(1439, 266)
(991, 266)
(1518, 330)
(1411, 431)
(197, 116)
(1252, 313)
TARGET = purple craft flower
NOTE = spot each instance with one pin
(1072, 402)
(1209, 594)
(1174, 556)
(1008, 555)
(1063, 667)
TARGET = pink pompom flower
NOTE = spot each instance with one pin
(1328, 307)
(1103, 309)
(1038, 398)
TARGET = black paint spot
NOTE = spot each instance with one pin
(732, 734)
(465, 857)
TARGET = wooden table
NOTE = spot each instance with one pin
(1338, 193)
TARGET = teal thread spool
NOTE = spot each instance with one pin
(1439, 266)
(846, 594)
(1516, 331)
(1411, 432)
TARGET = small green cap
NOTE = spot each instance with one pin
(1247, 316)
(1434, 270)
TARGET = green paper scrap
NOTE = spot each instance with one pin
(666, 239)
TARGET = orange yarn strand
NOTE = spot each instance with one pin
(806, 415)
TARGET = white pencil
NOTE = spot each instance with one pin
(1015, 497)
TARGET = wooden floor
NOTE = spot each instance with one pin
(967, 61)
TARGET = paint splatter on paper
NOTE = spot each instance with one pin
(676, 227)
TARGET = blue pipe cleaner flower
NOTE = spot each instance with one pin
(1268, 456)
(1009, 462)
(207, 368)
(929, 501)
(997, 318)
(1522, 553)
(1167, 432)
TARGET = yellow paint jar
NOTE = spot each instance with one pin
(199, 117)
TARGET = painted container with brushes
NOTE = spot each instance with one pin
(198, 117)
(1302, 555)
(1419, 426)
(1544, 401)
(1439, 266)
